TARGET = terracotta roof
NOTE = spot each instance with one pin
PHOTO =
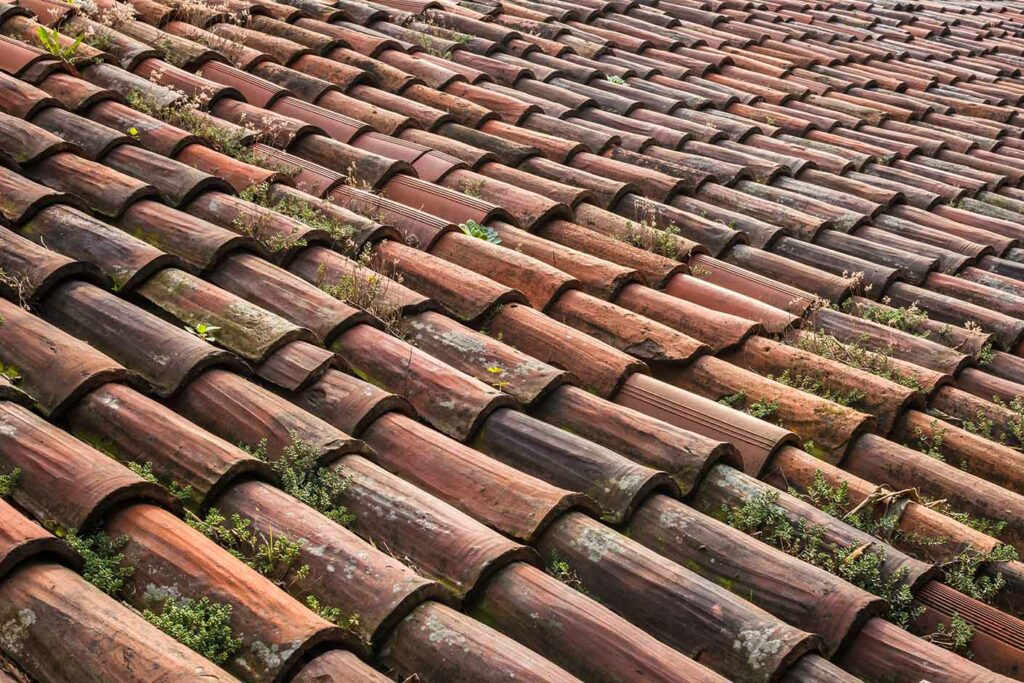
(598, 340)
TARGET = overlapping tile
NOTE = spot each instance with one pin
(826, 129)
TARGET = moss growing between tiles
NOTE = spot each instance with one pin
(186, 113)
(274, 556)
(10, 373)
(367, 290)
(762, 518)
(103, 562)
(985, 525)
(962, 572)
(985, 354)
(304, 212)
(1014, 425)
(427, 43)
(762, 408)
(9, 482)
(185, 494)
(813, 385)
(929, 443)
(646, 235)
(348, 622)
(256, 227)
(202, 625)
(856, 356)
(904, 318)
(298, 466)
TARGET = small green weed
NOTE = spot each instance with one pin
(563, 571)
(104, 563)
(302, 211)
(956, 636)
(905, 318)
(9, 482)
(302, 476)
(273, 556)
(856, 356)
(202, 625)
(204, 331)
(762, 518)
(481, 232)
(813, 385)
(50, 39)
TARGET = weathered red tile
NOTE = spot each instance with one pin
(658, 595)
(63, 480)
(173, 560)
(466, 294)
(442, 644)
(240, 412)
(505, 498)
(61, 602)
(451, 401)
(443, 543)
(242, 327)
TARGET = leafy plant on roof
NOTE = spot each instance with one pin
(428, 45)
(204, 331)
(762, 518)
(145, 470)
(762, 408)
(186, 112)
(955, 636)
(50, 40)
(962, 571)
(303, 211)
(813, 385)
(274, 556)
(9, 482)
(202, 625)
(856, 356)
(616, 80)
(481, 232)
(367, 289)
(985, 525)
(930, 442)
(985, 355)
(302, 475)
(103, 561)
(644, 233)
(904, 318)
(349, 622)
(660, 241)
(1015, 424)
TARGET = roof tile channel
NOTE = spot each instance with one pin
(828, 111)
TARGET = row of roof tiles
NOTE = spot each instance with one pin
(527, 333)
